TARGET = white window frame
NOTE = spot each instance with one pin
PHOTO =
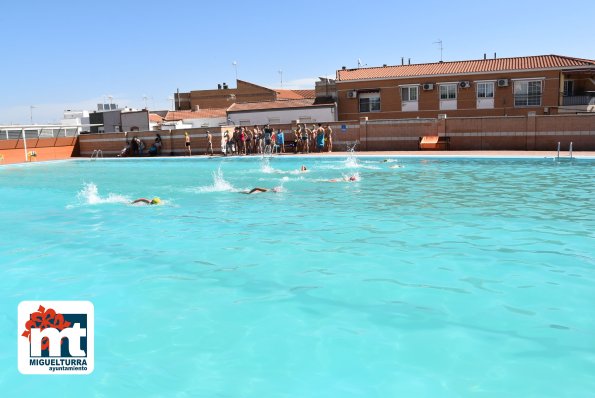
(484, 93)
(449, 102)
(374, 102)
(518, 92)
(408, 104)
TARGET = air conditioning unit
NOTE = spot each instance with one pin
(428, 86)
(352, 94)
(502, 82)
(442, 116)
(464, 84)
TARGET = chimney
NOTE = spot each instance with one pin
(402, 60)
(384, 65)
(219, 86)
(484, 56)
(494, 55)
(196, 108)
(344, 68)
(408, 61)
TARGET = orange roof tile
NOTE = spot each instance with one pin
(464, 67)
(306, 93)
(279, 104)
(154, 118)
(287, 94)
(200, 114)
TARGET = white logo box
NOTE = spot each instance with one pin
(80, 362)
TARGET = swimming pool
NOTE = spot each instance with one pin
(427, 277)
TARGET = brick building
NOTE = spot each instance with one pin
(540, 85)
(224, 97)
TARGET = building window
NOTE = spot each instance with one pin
(568, 88)
(527, 93)
(448, 96)
(448, 91)
(369, 102)
(409, 95)
(485, 90)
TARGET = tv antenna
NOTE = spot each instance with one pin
(360, 63)
(281, 74)
(441, 48)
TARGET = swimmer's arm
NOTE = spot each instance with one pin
(141, 200)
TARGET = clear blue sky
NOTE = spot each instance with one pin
(68, 54)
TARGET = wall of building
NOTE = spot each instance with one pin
(13, 151)
(137, 120)
(429, 101)
(315, 114)
(223, 98)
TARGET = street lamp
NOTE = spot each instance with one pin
(235, 66)
(31, 112)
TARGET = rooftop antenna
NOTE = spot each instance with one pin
(359, 63)
(281, 74)
(172, 99)
(145, 98)
(31, 112)
(235, 67)
(441, 48)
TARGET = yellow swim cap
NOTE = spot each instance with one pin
(155, 201)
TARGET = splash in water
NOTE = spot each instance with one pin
(90, 195)
(219, 183)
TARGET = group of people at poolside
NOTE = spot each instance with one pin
(248, 141)
(136, 147)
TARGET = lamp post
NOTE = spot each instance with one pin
(31, 113)
(235, 67)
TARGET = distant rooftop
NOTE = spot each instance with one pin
(464, 67)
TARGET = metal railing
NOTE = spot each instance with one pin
(527, 100)
(578, 100)
(8, 133)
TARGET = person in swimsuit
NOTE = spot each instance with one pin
(345, 179)
(328, 137)
(187, 138)
(209, 143)
(305, 139)
(259, 189)
(154, 201)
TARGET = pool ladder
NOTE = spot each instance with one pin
(97, 153)
(569, 151)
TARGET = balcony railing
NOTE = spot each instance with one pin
(578, 100)
(527, 100)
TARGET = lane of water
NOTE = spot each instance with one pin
(439, 277)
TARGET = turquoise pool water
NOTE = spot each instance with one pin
(436, 278)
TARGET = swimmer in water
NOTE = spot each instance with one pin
(303, 168)
(154, 201)
(259, 190)
(345, 179)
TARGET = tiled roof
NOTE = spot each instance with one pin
(306, 93)
(200, 114)
(294, 94)
(464, 67)
(266, 105)
(154, 118)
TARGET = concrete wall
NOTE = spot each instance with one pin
(486, 133)
(316, 114)
(135, 119)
